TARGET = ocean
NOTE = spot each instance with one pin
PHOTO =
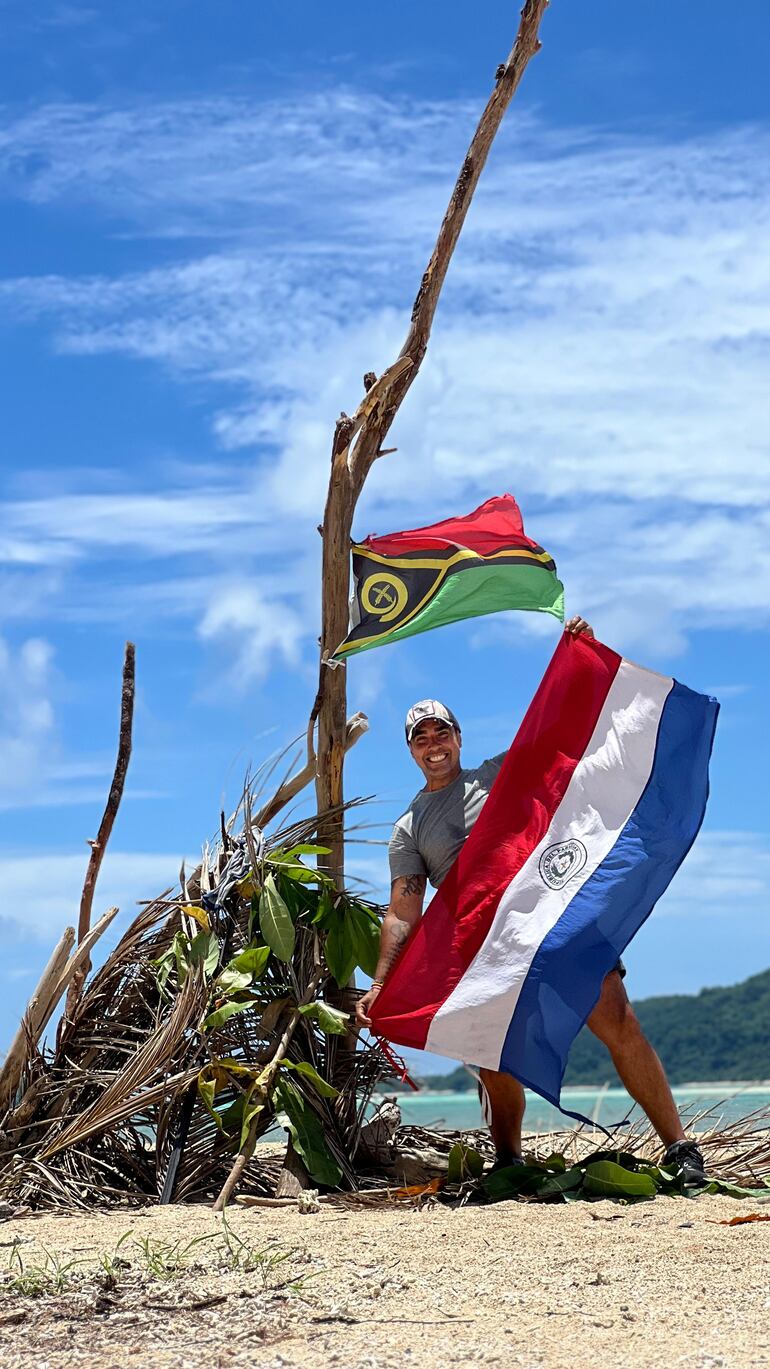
(457, 1111)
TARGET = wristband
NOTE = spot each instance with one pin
(377, 983)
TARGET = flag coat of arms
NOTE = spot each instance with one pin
(596, 805)
(410, 582)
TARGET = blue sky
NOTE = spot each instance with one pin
(214, 221)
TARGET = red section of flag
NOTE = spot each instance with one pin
(495, 526)
(531, 784)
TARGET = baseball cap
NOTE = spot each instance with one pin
(428, 708)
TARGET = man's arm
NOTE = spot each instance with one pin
(404, 912)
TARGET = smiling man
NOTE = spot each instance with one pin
(425, 843)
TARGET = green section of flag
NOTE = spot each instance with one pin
(472, 592)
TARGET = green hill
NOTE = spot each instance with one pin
(714, 1034)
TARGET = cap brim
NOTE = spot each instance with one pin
(430, 717)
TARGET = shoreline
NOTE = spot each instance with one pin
(710, 1086)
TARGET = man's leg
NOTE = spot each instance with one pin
(506, 1112)
(615, 1023)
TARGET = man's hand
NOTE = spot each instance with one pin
(578, 627)
(364, 1004)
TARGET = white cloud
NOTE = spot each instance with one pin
(601, 347)
(264, 632)
(27, 716)
(41, 893)
(35, 772)
(726, 874)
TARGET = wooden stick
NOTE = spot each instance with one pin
(354, 730)
(99, 846)
(247, 1149)
(30, 1027)
(358, 441)
(75, 964)
(250, 1200)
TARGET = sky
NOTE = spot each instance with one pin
(214, 221)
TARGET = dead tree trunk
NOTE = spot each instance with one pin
(358, 441)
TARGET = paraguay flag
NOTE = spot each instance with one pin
(409, 582)
(596, 805)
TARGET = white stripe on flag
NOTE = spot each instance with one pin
(605, 788)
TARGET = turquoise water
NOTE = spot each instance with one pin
(457, 1111)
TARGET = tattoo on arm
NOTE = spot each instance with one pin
(399, 936)
(412, 884)
(400, 921)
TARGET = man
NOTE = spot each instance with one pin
(425, 843)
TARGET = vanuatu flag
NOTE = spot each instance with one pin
(409, 582)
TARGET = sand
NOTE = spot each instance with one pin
(659, 1283)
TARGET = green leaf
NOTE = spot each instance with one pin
(307, 1134)
(541, 1179)
(232, 1118)
(729, 1190)
(556, 1162)
(514, 1181)
(207, 1090)
(253, 1104)
(294, 870)
(305, 1068)
(559, 1184)
(231, 981)
(610, 1180)
(251, 961)
(204, 950)
(180, 947)
(329, 1019)
(366, 939)
(659, 1177)
(464, 1163)
(305, 850)
(162, 968)
(220, 1015)
(339, 950)
(325, 914)
(618, 1157)
(275, 921)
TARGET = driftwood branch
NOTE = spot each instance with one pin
(33, 1021)
(358, 441)
(355, 729)
(99, 846)
(56, 976)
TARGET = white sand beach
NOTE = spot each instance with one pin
(654, 1284)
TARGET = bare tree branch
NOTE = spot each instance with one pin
(356, 727)
(99, 846)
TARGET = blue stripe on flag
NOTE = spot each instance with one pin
(565, 978)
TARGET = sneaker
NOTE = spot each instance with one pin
(687, 1157)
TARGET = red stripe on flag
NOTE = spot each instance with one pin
(492, 527)
(531, 784)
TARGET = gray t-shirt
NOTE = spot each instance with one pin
(428, 836)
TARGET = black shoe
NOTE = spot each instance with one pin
(687, 1157)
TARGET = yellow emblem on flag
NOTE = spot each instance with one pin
(384, 595)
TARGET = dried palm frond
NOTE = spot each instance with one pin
(114, 1107)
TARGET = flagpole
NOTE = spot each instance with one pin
(358, 440)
